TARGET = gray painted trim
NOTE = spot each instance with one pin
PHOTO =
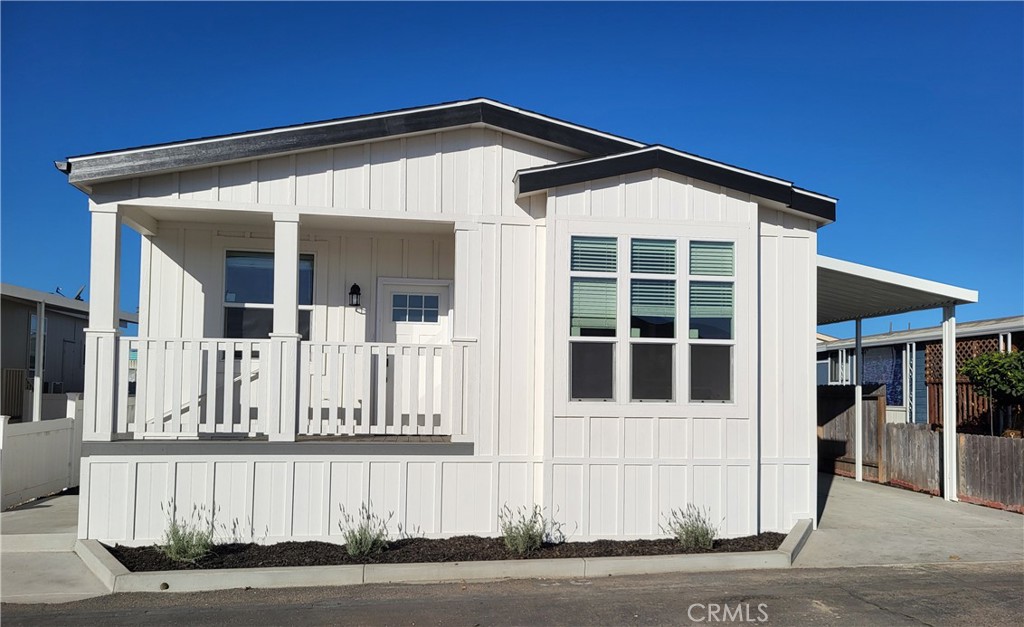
(100, 167)
(250, 449)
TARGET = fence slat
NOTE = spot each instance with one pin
(348, 396)
(398, 391)
(141, 386)
(177, 347)
(333, 389)
(210, 422)
(413, 388)
(121, 424)
(428, 390)
(196, 365)
(380, 424)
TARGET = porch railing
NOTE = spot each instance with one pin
(187, 388)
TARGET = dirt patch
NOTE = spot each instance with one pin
(413, 550)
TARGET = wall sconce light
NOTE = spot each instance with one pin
(353, 295)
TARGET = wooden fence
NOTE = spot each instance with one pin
(991, 471)
(837, 451)
(913, 454)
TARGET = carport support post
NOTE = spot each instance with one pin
(858, 406)
(37, 380)
(949, 465)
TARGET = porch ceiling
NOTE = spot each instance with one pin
(851, 291)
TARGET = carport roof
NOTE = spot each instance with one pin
(851, 291)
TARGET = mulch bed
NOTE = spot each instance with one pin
(412, 550)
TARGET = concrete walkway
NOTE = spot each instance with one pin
(865, 524)
(37, 564)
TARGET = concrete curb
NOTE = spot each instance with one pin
(117, 578)
(37, 542)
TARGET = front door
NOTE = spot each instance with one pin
(414, 313)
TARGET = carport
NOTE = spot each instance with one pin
(850, 291)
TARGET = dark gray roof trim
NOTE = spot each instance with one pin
(658, 157)
(253, 144)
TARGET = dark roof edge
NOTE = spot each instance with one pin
(662, 158)
(254, 144)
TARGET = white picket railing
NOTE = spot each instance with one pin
(190, 388)
(377, 388)
(186, 387)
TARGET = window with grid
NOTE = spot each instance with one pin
(249, 294)
(593, 298)
(712, 320)
(650, 285)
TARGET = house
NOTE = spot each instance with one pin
(444, 310)
(62, 344)
(909, 364)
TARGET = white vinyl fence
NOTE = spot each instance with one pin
(40, 458)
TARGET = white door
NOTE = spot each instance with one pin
(416, 313)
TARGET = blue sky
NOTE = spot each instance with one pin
(911, 114)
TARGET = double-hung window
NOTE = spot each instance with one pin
(652, 319)
(249, 294)
(658, 287)
(712, 320)
(593, 290)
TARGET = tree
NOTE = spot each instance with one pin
(998, 377)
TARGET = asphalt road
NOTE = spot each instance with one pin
(945, 594)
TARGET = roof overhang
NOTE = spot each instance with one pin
(535, 180)
(851, 291)
(93, 168)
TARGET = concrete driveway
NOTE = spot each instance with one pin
(865, 524)
(37, 564)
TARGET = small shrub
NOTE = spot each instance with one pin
(366, 533)
(187, 541)
(525, 530)
(691, 527)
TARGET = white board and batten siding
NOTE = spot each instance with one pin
(451, 175)
(788, 403)
(272, 498)
(606, 470)
(618, 468)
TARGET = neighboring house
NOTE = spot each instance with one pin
(445, 310)
(63, 348)
(909, 364)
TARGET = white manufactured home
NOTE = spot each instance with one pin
(445, 310)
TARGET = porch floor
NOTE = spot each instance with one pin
(374, 438)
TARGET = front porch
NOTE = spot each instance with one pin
(253, 325)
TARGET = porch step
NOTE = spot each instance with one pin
(37, 542)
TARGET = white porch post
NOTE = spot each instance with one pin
(949, 444)
(858, 405)
(101, 336)
(285, 338)
(37, 380)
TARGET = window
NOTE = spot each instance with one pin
(593, 298)
(658, 290)
(712, 333)
(414, 307)
(249, 294)
(652, 319)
